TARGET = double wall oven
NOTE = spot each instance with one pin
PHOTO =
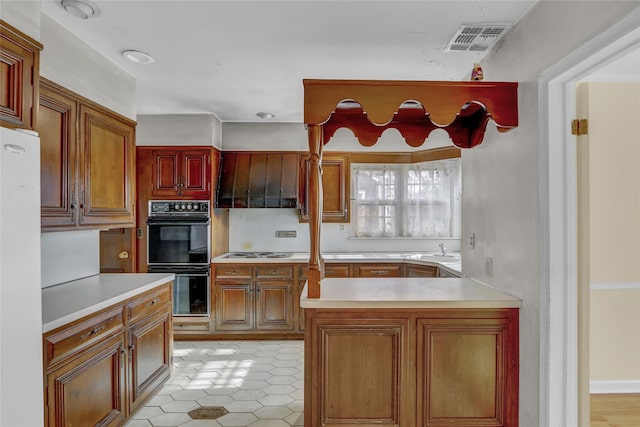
(179, 242)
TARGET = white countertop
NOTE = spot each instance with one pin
(407, 293)
(70, 301)
(452, 263)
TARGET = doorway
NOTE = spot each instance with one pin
(565, 388)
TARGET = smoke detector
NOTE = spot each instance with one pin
(476, 37)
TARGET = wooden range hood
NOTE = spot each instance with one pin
(414, 108)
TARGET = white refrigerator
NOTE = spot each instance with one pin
(21, 380)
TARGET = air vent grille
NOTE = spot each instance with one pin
(477, 37)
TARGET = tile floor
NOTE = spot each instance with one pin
(260, 384)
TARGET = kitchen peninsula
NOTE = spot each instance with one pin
(410, 352)
(405, 351)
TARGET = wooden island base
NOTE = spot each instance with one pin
(410, 367)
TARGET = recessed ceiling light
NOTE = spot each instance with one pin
(138, 57)
(265, 116)
(80, 8)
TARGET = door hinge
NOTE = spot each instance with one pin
(579, 127)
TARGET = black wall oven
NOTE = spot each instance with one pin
(179, 242)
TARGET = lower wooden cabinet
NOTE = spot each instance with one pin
(411, 367)
(149, 357)
(89, 390)
(254, 298)
(102, 368)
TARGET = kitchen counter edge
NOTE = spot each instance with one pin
(70, 301)
(407, 293)
(454, 267)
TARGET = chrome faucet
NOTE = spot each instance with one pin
(443, 249)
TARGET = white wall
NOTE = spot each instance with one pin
(23, 15)
(179, 129)
(293, 137)
(69, 255)
(73, 64)
(255, 230)
(501, 177)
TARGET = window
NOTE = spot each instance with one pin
(418, 200)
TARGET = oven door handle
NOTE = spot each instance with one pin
(179, 222)
(193, 274)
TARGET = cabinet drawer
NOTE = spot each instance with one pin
(148, 303)
(228, 271)
(66, 342)
(181, 324)
(421, 271)
(392, 270)
(337, 270)
(274, 271)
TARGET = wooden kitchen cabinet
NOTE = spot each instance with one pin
(335, 185)
(87, 163)
(181, 173)
(100, 369)
(420, 367)
(254, 298)
(20, 71)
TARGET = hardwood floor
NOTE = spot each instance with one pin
(615, 410)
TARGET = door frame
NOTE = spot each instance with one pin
(559, 345)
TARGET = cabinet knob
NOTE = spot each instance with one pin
(123, 255)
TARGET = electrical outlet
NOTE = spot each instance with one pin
(472, 240)
(341, 228)
(488, 266)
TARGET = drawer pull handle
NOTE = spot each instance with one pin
(92, 332)
(152, 302)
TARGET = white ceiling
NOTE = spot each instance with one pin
(236, 58)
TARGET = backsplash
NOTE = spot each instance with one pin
(255, 230)
(69, 255)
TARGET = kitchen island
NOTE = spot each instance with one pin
(107, 346)
(410, 352)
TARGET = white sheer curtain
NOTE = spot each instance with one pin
(420, 200)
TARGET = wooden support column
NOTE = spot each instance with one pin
(316, 266)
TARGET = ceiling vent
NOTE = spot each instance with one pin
(476, 37)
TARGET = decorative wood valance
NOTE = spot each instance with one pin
(414, 108)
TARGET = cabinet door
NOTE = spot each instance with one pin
(234, 306)
(107, 168)
(195, 174)
(19, 68)
(335, 189)
(274, 305)
(364, 368)
(58, 157)
(149, 346)
(467, 371)
(166, 173)
(90, 390)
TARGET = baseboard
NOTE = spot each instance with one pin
(607, 387)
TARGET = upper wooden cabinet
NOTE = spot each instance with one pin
(335, 185)
(87, 163)
(181, 172)
(20, 71)
(258, 180)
